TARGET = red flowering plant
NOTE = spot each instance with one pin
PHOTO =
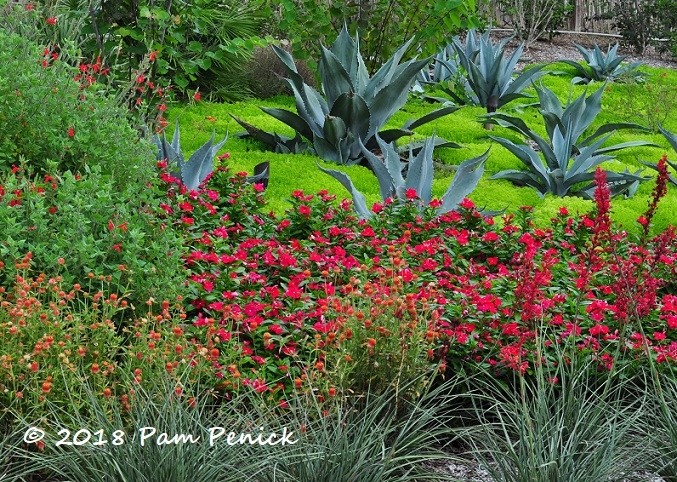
(278, 289)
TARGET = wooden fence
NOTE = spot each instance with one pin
(586, 16)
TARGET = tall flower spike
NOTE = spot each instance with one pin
(658, 192)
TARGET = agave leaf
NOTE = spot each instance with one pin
(383, 76)
(614, 126)
(201, 163)
(334, 130)
(671, 138)
(347, 52)
(618, 183)
(412, 124)
(256, 133)
(522, 178)
(465, 181)
(593, 105)
(359, 201)
(654, 166)
(420, 174)
(522, 81)
(623, 145)
(332, 151)
(386, 180)
(335, 80)
(529, 157)
(561, 147)
(261, 174)
(587, 159)
(176, 139)
(416, 146)
(290, 118)
(584, 73)
(518, 125)
(392, 97)
(355, 113)
(389, 135)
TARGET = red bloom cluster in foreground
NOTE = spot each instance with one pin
(492, 291)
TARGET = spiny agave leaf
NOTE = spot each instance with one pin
(200, 164)
(392, 160)
(348, 54)
(355, 113)
(465, 181)
(561, 148)
(392, 97)
(383, 76)
(412, 124)
(287, 60)
(290, 118)
(420, 174)
(359, 201)
(593, 106)
(332, 151)
(335, 79)
(344, 48)
(312, 107)
(386, 178)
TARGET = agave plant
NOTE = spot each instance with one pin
(392, 184)
(354, 107)
(193, 171)
(447, 76)
(601, 66)
(672, 139)
(490, 73)
(567, 159)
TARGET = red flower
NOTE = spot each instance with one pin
(51, 21)
(71, 132)
(197, 96)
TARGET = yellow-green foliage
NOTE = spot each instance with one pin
(293, 172)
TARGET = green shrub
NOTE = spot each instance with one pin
(51, 121)
(93, 225)
(382, 26)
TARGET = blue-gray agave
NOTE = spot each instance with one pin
(392, 184)
(193, 171)
(601, 66)
(447, 76)
(490, 73)
(566, 160)
(354, 107)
